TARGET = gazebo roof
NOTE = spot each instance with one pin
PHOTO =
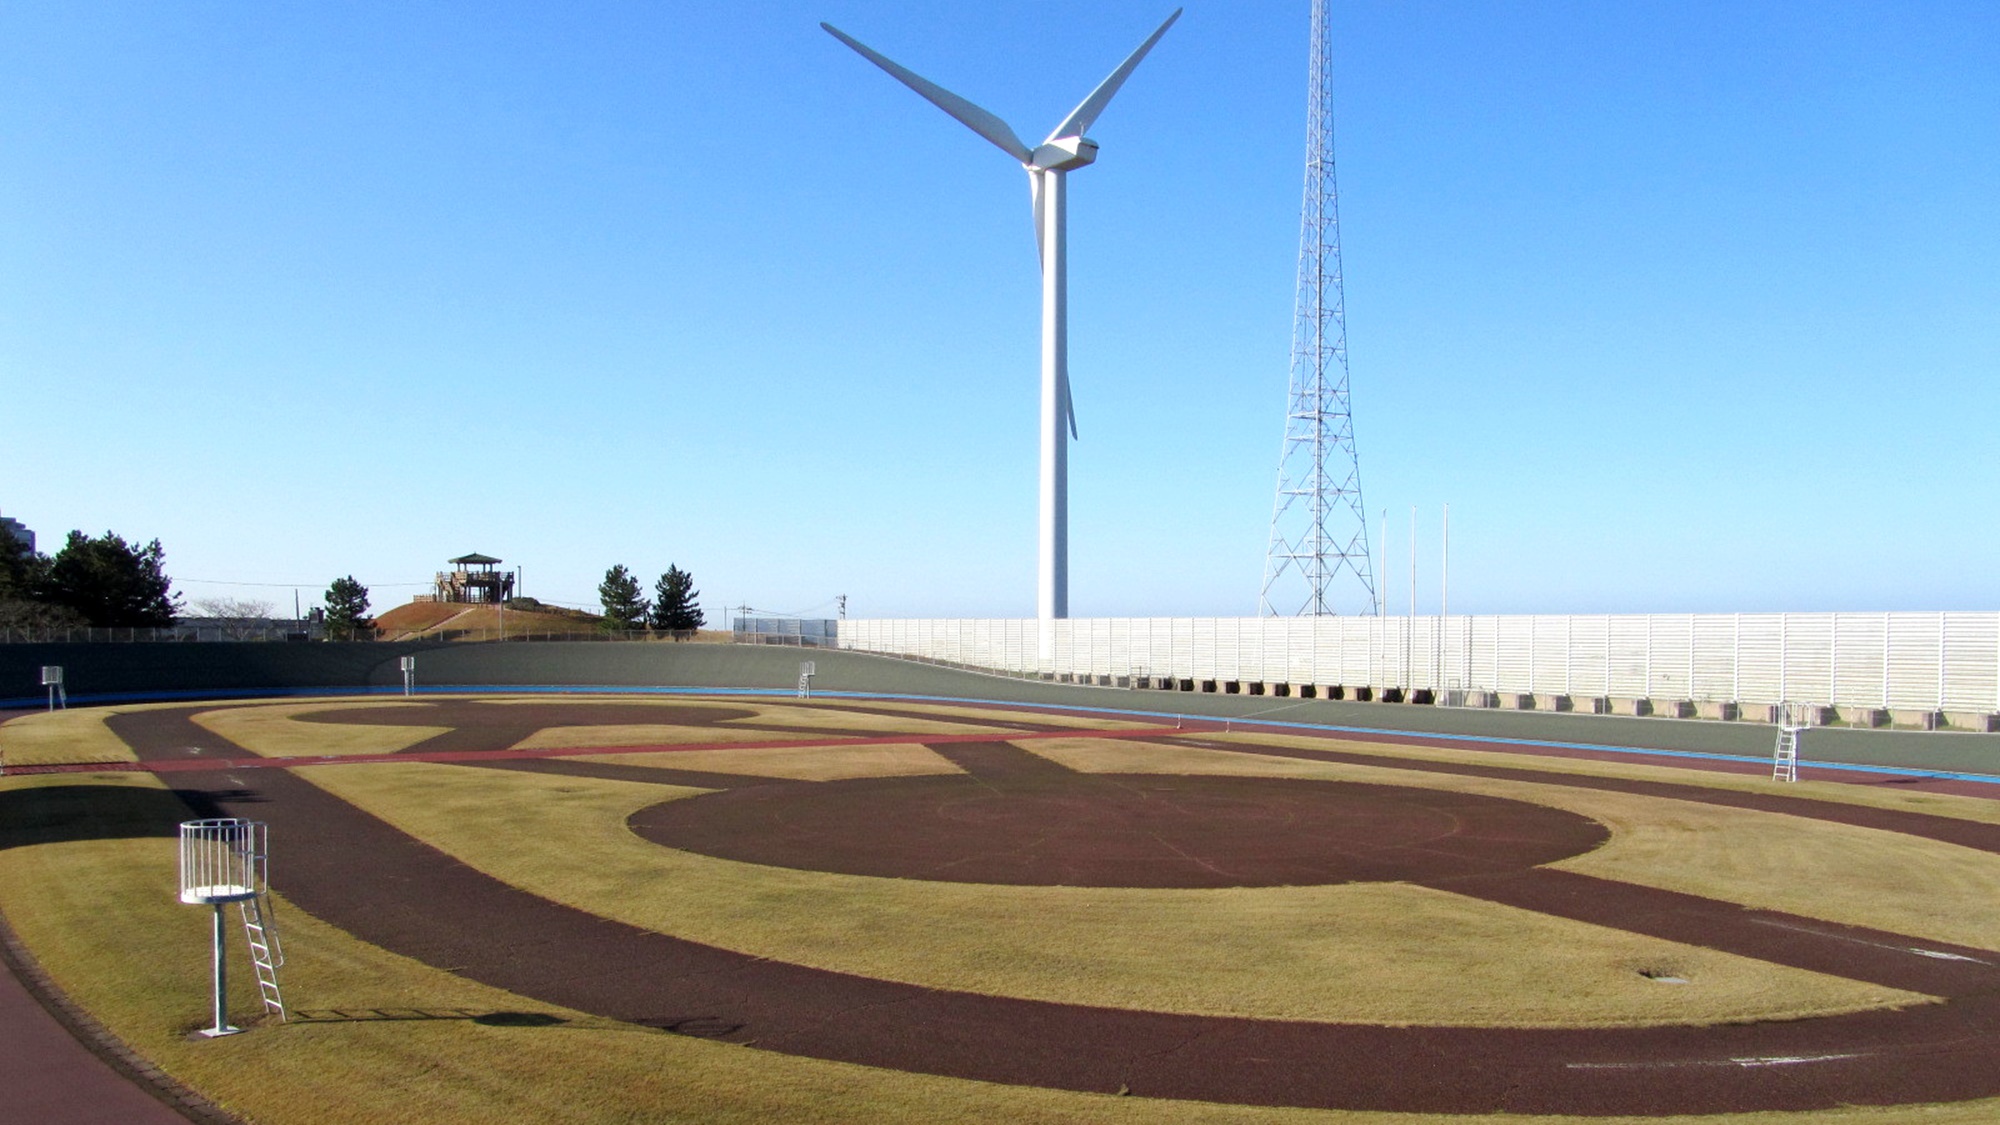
(476, 559)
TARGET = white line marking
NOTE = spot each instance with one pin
(1943, 956)
(1745, 1063)
(1791, 1060)
(1935, 954)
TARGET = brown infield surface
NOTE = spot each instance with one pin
(1014, 817)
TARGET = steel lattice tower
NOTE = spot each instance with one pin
(1318, 525)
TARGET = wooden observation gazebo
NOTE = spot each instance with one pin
(476, 581)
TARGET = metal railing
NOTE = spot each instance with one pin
(176, 634)
(163, 634)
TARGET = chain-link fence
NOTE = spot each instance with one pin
(163, 634)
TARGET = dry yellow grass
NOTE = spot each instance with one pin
(833, 721)
(1937, 804)
(680, 703)
(837, 722)
(1370, 953)
(79, 734)
(266, 724)
(819, 713)
(268, 727)
(463, 622)
(1859, 876)
(62, 737)
(629, 734)
(1039, 718)
(272, 729)
(804, 763)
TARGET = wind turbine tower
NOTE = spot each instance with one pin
(1319, 529)
(1065, 150)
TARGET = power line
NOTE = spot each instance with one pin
(288, 585)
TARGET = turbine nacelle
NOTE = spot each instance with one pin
(1060, 154)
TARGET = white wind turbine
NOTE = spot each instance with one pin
(1065, 149)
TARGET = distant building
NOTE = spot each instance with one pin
(15, 529)
(475, 581)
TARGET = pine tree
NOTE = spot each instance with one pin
(24, 589)
(346, 609)
(624, 608)
(674, 608)
(20, 569)
(108, 581)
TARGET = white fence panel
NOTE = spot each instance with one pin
(1548, 655)
(1913, 649)
(1760, 658)
(1513, 654)
(1906, 661)
(1712, 663)
(1628, 664)
(1972, 662)
(1589, 657)
(1857, 658)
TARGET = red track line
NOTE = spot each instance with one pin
(175, 765)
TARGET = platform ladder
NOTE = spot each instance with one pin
(260, 932)
(1785, 758)
(805, 679)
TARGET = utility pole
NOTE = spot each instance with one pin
(1444, 599)
(1319, 528)
(1410, 634)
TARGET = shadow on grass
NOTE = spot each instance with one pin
(699, 1027)
(59, 814)
(397, 1015)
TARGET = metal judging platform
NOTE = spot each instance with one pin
(223, 861)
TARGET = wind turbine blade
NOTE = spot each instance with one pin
(971, 116)
(1035, 192)
(1082, 116)
(1069, 406)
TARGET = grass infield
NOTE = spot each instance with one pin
(815, 763)
(1369, 953)
(53, 738)
(1839, 872)
(1632, 767)
(269, 729)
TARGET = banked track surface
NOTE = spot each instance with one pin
(425, 904)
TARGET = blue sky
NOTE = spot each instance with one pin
(1680, 306)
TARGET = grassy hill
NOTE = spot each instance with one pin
(525, 617)
(458, 621)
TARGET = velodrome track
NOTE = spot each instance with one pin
(1092, 829)
(104, 673)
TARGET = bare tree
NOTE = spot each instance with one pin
(240, 618)
(234, 607)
